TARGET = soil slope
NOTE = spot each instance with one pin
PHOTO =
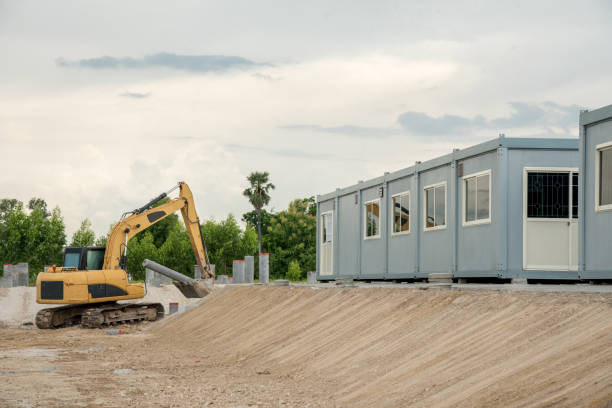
(400, 347)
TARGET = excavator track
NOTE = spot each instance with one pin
(55, 317)
(115, 313)
(95, 316)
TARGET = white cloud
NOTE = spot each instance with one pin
(67, 136)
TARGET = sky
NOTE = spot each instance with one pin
(106, 104)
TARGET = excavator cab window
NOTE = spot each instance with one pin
(72, 258)
(84, 258)
(95, 258)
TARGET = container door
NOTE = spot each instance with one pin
(326, 257)
(550, 224)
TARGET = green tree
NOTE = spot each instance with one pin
(102, 239)
(42, 204)
(140, 248)
(162, 229)
(7, 205)
(84, 236)
(37, 238)
(226, 241)
(250, 219)
(303, 206)
(176, 252)
(258, 195)
(291, 235)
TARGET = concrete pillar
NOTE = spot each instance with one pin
(249, 269)
(311, 277)
(197, 274)
(238, 271)
(264, 268)
(15, 275)
(156, 279)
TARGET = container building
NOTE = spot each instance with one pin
(506, 208)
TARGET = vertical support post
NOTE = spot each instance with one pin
(360, 232)
(249, 269)
(264, 268)
(582, 143)
(317, 241)
(454, 223)
(502, 209)
(384, 224)
(416, 182)
(336, 240)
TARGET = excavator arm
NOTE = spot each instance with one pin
(147, 215)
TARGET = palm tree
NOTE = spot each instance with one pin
(258, 196)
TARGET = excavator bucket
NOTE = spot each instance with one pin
(190, 288)
(196, 289)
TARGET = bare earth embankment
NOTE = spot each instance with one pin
(290, 346)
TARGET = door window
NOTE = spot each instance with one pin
(326, 222)
(548, 195)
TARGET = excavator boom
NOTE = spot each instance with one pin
(143, 217)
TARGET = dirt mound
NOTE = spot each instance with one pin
(401, 347)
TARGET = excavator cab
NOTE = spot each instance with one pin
(84, 258)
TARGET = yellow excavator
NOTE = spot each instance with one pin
(93, 279)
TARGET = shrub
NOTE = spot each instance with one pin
(294, 273)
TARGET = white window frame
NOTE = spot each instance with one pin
(327, 213)
(365, 219)
(598, 149)
(464, 179)
(395, 234)
(438, 227)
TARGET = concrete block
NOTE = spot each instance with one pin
(238, 271)
(519, 281)
(281, 282)
(249, 269)
(440, 278)
(264, 268)
(311, 277)
(345, 282)
(223, 279)
(156, 279)
(15, 275)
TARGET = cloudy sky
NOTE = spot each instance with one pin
(105, 104)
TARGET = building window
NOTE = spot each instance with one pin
(603, 200)
(401, 213)
(327, 228)
(435, 206)
(372, 219)
(477, 198)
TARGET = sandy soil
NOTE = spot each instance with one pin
(332, 347)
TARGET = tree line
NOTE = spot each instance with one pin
(35, 235)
